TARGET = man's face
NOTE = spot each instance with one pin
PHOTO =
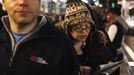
(22, 11)
(110, 16)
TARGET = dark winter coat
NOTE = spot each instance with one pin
(45, 51)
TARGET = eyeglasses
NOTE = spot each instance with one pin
(81, 28)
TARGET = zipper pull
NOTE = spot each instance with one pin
(10, 63)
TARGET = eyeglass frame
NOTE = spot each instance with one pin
(80, 28)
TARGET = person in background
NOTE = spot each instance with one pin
(61, 17)
(89, 42)
(30, 45)
(121, 19)
(114, 28)
(115, 32)
(55, 18)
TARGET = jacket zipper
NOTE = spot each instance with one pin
(14, 49)
(10, 63)
(12, 43)
(12, 56)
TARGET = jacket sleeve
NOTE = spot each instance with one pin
(71, 65)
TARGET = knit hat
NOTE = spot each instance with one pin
(77, 12)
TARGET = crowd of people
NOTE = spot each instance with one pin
(76, 43)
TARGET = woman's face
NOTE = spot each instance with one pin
(80, 31)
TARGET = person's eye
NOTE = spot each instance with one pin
(88, 26)
(77, 27)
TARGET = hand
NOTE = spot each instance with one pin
(85, 70)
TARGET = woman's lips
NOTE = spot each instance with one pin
(83, 36)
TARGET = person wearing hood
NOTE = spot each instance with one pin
(30, 45)
(89, 42)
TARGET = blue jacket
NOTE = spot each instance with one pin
(45, 51)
